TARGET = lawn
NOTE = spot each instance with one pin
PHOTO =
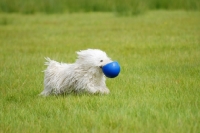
(158, 89)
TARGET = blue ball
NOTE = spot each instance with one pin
(111, 70)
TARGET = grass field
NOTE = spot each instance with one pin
(158, 89)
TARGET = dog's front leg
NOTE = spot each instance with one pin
(98, 89)
(104, 90)
(92, 89)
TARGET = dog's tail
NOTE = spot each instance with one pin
(51, 63)
(48, 60)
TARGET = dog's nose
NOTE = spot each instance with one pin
(105, 62)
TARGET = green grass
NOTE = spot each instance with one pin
(157, 90)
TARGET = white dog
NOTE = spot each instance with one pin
(83, 75)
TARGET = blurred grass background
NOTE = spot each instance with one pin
(120, 7)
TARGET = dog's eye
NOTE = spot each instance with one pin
(101, 60)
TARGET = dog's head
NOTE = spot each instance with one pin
(93, 58)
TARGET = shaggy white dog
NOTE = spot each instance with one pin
(83, 75)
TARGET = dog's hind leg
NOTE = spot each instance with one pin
(47, 91)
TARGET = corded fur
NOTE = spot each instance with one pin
(83, 75)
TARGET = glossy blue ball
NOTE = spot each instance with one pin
(111, 70)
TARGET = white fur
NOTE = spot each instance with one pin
(83, 75)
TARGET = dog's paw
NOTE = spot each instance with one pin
(104, 91)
